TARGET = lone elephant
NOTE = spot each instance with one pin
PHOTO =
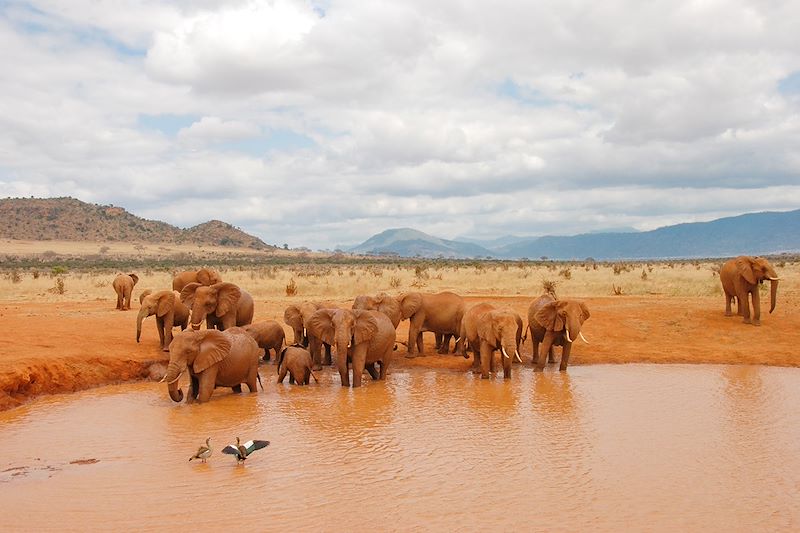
(741, 278)
(223, 305)
(214, 359)
(555, 323)
(203, 276)
(268, 334)
(123, 286)
(296, 361)
(441, 313)
(169, 311)
(366, 338)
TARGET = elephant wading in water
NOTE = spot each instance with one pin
(469, 332)
(555, 323)
(297, 362)
(268, 334)
(169, 311)
(223, 305)
(441, 313)
(741, 278)
(214, 359)
(363, 337)
(297, 317)
(123, 286)
(497, 329)
(204, 276)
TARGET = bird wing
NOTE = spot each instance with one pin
(231, 449)
(253, 445)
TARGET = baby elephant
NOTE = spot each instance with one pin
(269, 335)
(297, 361)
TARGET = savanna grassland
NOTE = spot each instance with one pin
(62, 333)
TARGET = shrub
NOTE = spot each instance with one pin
(549, 286)
(291, 288)
(565, 273)
(644, 275)
(59, 287)
(394, 282)
(617, 291)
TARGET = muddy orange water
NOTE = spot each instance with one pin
(604, 447)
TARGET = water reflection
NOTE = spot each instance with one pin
(602, 447)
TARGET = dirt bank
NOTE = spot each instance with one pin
(48, 348)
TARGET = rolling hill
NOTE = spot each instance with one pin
(68, 219)
(407, 242)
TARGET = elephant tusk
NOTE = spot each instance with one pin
(566, 332)
(583, 338)
(516, 354)
(502, 349)
(173, 381)
(458, 339)
(774, 279)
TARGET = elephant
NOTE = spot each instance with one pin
(145, 293)
(295, 360)
(390, 306)
(214, 359)
(269, 335)
(555, 323)
(204, 276)
(364, 337)
(223, 305)
(498, 329)
(469, 332)
(169, 311)
(741, 277)
(441, 313)
(297, 317)
(123, 285)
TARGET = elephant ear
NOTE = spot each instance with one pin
(320, 325)
(187, 293)
(214, 347)
(487, 327)
(365, 327)
(292, 316)
(549, 318)
(389, 306)
(135, 278)
(228, 296)
(410, 303)
(145, 294)
(584, 313)
(744, 265)
(166, 302)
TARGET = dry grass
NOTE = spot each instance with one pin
(343, 282)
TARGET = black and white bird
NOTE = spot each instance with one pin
(241, 451)
(203, 452)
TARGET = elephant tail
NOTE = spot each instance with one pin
(259, 381)
(313, 375)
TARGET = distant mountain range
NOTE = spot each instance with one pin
(752, 234)
(68, 219)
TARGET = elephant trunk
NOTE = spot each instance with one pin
(174, 371)
(773, 293)
(143, 313)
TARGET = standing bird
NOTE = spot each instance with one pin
(203, 452)
(241, 451)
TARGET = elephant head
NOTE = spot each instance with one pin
(565, 316)
(386, 304)
(410, 303)
(343, 327)
(218, 299)
(757, 269)
(134, 277)
(200, 349)
(159, 304)
(208, 276)
(297, 317)
(500, 329)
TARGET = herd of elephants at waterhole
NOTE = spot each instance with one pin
(227, 353)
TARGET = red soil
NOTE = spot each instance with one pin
(48, 348)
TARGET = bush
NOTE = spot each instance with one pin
(565, 273)
(394, 282)
(59, 287)
(291, 288)
(549, 286)
(617, 291)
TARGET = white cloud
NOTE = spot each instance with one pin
(452, 117)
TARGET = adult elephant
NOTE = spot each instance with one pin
(441, 313)
(297, 317)
(366, 338)
(223, 305)
(268, 334)
(470, 339)
(555, 323)
(169, 311)
(203, 276)
(497, 329)
(123, 285)
(214, 359)
(740, 278)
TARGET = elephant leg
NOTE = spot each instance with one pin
(291, 379)
(756, 307)
(327, 361)
(728, 301)
(438, 340)
(194, 387)
(119, 300)
(207, 381)
(486, 359)
(237, 388)
(544, 350)
(341, 363)
(551, 355)
(358, 366)
(744, 306)
(414, 339)
(535, 350)
(565, 356)
(373, 372)
(169, 323)
(444, 344)
(161, 332)
(382, 374)
(420, 343)
(476, 356)
(507, 367)
(281, 374)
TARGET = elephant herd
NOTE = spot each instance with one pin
(227, 353)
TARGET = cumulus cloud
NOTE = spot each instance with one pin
(321, 123)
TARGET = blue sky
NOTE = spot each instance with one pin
(323, 123)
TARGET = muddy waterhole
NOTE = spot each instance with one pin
(600, 447)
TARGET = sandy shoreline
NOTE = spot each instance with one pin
(62, 347)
